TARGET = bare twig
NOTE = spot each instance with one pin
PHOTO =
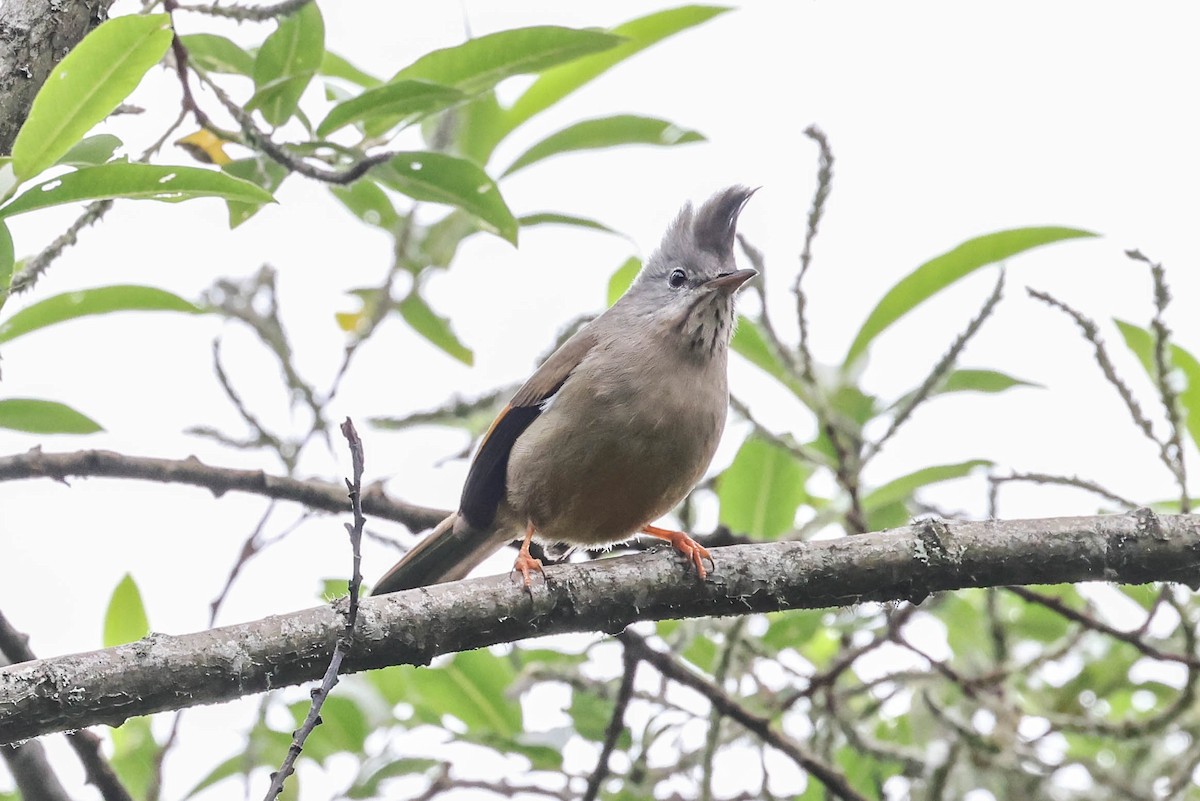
(802, 452)
(1064, 481)
(815, 212)
(346, 639)
(1091, 332)
(1095, 624)
(834, 781)
(939, 371)
(35, 267)
(733, 638)
(616, 724)
(1162, 374)
(244, 13)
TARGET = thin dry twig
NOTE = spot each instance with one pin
(834, 781)
(1095, 624)
(616, 724)
(939, 371)
(1162, 374)
(244, 13)
(815, 212)
(346, 638)
(1063, 481)
(1091, 332)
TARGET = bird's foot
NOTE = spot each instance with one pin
(694, 551)
(526, 563)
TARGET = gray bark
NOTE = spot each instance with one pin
(164, 672)
(34, 36)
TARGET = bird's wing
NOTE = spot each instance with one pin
(487, 479)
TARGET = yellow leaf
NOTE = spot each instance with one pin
(205, 146)
(350, 322)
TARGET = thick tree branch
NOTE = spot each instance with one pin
(219, 480)
(164, 672)
(34, 37)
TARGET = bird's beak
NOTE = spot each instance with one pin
(730, 282)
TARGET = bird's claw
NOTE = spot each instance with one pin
(526, 565)
(693, 551)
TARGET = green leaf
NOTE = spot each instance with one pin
(792, 629)
(125, 621)
(334, 66)
(555, 218)
(942, 271)
(970, 380)
(236, 765)
(761, 490)
(622, 129)
(555, 84)
(473, 687)
(91, 81)
(368, 784)
(343, 730)
(590, 715)
(401, 101)
(442, 239)
(286, 63)
(8, 263)
(369, 203)
(91, 151)
(901, 489)
(1141, 342)
(133, 755)
(44, 417)
(479, 64)
(474, 129)
(435, 328)
(217, 54)
(86, 302)
(261, 171)
(438, 178)
(622, 279)
(136, 182)
(751, 344)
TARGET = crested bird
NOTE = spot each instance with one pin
(615, 428)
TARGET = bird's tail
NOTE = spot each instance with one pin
(451, 551)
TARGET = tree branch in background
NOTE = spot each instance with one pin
(169, 672)
(834, 780)
(218, 480)
(1091, 332)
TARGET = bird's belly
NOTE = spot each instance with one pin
(597, 475)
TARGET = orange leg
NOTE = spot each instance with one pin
(525, 563)
(687, 546)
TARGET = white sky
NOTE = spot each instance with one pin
(948, 120)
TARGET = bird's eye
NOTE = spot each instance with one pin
(677, 279)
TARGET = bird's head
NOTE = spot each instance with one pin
(687, 286)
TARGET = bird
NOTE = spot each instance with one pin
(616, 427)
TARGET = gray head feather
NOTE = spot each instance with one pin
(716, 223)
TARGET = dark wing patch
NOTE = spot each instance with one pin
(487, 478)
